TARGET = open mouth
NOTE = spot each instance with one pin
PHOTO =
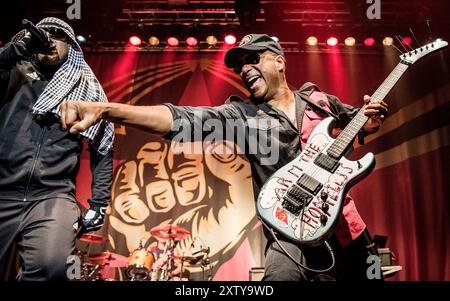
(253, 80)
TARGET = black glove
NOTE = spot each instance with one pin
(33, 45)
(92, 219)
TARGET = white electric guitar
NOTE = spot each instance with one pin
(303, 200)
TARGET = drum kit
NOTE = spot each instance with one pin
(99, 266)
(141, 265)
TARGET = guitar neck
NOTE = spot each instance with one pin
(345, 139)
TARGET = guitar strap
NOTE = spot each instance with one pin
(304, 92)
(299, 110)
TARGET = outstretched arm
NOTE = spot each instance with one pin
(77, 116)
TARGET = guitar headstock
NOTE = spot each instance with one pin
(414, 55)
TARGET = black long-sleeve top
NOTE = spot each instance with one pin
(38, 158)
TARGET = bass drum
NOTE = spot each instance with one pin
(140, 265)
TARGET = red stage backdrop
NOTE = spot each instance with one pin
(405, 198)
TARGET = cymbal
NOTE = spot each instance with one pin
(93, 238)
(169, 232)
(110, 259)
(189, 259)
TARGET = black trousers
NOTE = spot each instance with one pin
(351, 262)
(45, 235)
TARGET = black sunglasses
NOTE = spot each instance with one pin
(56, 34)
(251, 58)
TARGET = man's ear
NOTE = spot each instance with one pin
(281, 63)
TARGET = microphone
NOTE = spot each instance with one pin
(37, 34)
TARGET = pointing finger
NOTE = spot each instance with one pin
(81, 126)
(63, 114)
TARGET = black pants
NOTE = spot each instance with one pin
(350, 262)
(45, 235)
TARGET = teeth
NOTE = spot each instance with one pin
(252, 79)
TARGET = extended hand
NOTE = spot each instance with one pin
(93, 219)
(376, 110)
(32, 45)
(78, 116)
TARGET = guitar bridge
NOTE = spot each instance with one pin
(296, 199)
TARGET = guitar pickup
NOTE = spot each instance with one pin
(326, 162)
(309, 184)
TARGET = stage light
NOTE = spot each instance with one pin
(173, 42)
(81, 39)
(388, 41)
(211, 40)
(332, 41)
(369, 41)
(350, 41)
(135, 41)
(191, 41)
(153, 41)
(230, 39)
(276, 39)
(406, 41)
(311, 41)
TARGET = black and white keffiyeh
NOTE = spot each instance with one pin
(75, 81)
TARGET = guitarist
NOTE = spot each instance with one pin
(280, 118)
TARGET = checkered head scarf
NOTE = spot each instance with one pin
(74, 81)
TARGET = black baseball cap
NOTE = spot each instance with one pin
(252, 42)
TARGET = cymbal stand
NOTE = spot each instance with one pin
(93, 272)
(206, 262)
(170, 245)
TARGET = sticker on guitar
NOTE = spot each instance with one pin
(281, 216)
(280, 185)
(307, 224)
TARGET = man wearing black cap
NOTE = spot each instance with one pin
(39, 160)
(279, 118)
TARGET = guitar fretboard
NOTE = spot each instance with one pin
(345, 139)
